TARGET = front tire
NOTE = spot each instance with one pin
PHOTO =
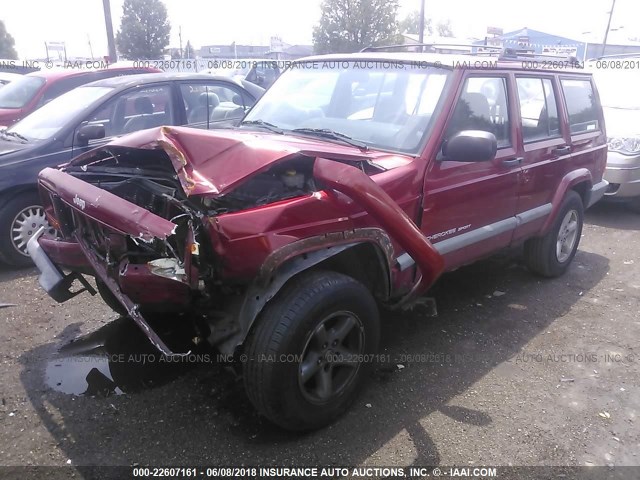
(20, 218)
(551, 255)
(310, 350)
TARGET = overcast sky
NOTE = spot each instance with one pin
(75, 22)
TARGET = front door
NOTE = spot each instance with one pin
(469, 207)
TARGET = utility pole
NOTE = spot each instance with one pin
(421, 28)
(606, 33)
(90, 47)
(180, 37)
(113, 56)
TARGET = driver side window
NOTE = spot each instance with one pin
(483, 106)
(135, 110)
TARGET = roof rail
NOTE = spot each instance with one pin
(431, 46)
(528, 54)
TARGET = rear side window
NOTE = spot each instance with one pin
(581, 105)
(538, 109)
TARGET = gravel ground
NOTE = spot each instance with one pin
(514, 370)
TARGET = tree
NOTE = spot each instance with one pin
(188, 50)
(444, 28)
(7, 49)
(350, 25)
(145, 29)
(411, 24)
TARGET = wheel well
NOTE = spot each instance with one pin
(365, 263)
(17, 190)
(583, 189)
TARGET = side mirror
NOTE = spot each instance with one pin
(90, 132)
(470, 146)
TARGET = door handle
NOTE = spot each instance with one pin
(562, 150)
(512, 162)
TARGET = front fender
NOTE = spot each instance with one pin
(283, 264)
(355, 184)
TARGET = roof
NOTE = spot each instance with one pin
(440, 60)
(125, 81)
(56, 73)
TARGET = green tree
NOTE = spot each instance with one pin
(411, 24)
(351, 25)
(188, 50)
(145, 29)
(444, 28)
(7, 49)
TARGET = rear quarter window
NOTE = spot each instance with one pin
(581, 105)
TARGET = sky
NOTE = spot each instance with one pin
(206, 22)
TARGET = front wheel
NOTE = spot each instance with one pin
(308, 354)
(20, 218)
(551, 255)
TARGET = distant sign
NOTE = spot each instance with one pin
(561, 50)
(524, 39)
(494, 31)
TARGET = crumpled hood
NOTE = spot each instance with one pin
(214, 162)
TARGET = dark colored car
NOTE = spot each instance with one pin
(31, 91)
(355, 181)
(89, 116)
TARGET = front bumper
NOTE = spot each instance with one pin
(52, 280)
(623, 175)
(58, 286)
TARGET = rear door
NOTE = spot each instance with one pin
(545, 149)
(469, 207)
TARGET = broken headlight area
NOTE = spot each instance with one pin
(287, 180)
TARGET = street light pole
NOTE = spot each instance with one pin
(606, 33)
(113, 56)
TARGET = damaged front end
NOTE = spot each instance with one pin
(168, 220)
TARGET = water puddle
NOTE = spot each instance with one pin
(114, 360)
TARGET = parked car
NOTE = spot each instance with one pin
(279, 239)
(6, 77)
(31, 91)
(621, 106)
(260, 71)
(90, 116)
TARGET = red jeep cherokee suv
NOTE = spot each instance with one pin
(354, 183)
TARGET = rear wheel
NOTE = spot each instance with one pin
(634, 204)
(552, 254)
(310, 350)
(20, 219)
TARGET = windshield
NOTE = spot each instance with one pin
(619, 88)
(383, 105)
(48, 120)
(20, 92)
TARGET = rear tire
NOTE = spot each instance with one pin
(329, 321)
(20, 219)
(634, 204)
(551, 255)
